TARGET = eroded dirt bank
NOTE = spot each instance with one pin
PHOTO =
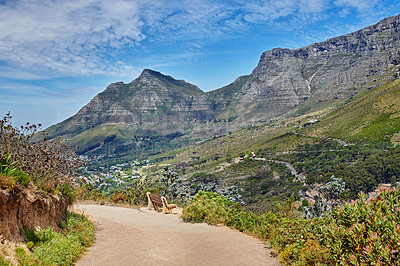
(131, 237)
(28, 207)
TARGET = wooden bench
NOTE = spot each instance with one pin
(156, 201)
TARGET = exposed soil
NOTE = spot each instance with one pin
(128, 236)
(23, 207)
(26, 207)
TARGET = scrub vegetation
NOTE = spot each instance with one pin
(50, 164)
(363, 232)
(49, 247)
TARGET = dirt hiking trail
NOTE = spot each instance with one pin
(128, 236)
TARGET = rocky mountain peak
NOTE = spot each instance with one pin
(361, 41)
(286, 82)
(155, 80)
(150, 74)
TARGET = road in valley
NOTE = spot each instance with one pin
(127, 236)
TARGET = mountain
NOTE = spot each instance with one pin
(155, 111)
(145, 102)
(304, 79)
(134, 115)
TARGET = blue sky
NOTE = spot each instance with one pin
(56, 55)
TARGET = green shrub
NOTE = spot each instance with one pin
(31, 235)
(68, 191)
(20, 251)
(3, 262)
(7, 165)
(364, 232)
(52, 248)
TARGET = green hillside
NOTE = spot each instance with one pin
(371, 116)
(315, 144)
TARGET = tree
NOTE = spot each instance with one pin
(333, 189)
(170, 180)
(317, 209)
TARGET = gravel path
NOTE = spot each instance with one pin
(128, 236)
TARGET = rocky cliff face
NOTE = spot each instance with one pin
(285, 82)
(322, 72)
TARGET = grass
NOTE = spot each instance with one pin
(382, 129)
(65, 248)
(96, 135)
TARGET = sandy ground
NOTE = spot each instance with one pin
(128, 236)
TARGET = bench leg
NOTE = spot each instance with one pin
(150, 205)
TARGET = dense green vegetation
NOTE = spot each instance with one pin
(49, 247)
(118, 143)
(364, 232)
(362, 167)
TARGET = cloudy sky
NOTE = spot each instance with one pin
(56, 55)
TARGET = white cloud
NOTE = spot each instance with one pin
(270, 10)
(360, 5)
(69, 37)
(313, 6)
(74, 37)
(79, 37)
(16, 73)
(17, 88)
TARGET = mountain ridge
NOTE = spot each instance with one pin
(286, 82)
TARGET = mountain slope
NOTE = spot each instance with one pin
(146, 101)
(308, 78)
(359, 133)
(373, 116)
(151, 111)
(151, 105)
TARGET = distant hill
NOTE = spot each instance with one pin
(156, 112)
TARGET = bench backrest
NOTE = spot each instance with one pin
(155, 200)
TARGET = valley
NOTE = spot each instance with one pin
(288, 146)
(156, 113)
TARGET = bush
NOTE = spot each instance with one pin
(52, 248)
(21, 177)
(30, 245)
(364, 232)
(51, 164)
